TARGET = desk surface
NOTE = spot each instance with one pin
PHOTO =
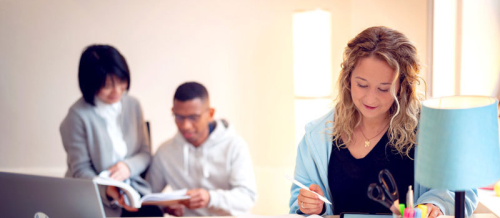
(479, 215)
(490, 200)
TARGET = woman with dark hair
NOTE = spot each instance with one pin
(104, 130)
(372, 127)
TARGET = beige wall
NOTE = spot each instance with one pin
(241, 50)
(408, 17)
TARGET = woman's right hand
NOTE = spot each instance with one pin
(119, 171)
(309, 203)
(114, 193)
(433, 211)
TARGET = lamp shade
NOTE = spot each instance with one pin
(458, 143)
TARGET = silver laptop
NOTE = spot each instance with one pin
(40, 197)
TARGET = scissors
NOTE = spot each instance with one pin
(386, 193)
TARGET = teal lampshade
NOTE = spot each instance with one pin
(458, 143)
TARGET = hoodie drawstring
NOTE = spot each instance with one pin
(186, 159)
(206, 174)
(204, 160)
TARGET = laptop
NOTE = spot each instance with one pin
(41, 197)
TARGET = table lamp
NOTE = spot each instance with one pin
(458, 145)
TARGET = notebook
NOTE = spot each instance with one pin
(41, 197)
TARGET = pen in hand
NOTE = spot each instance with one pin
(306, 188)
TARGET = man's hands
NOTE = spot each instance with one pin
(114, 193)
(309, 203)
(119, 171)
(175, 210)
(199, 198)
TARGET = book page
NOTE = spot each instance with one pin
(131, 193)
(165, 198)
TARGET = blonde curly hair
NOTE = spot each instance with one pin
(400, 54)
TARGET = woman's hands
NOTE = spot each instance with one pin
(119, 171)
(309, 203)
(114, 193)
(433, 211)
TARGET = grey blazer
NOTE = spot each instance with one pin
(89, 149)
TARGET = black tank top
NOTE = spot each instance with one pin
(349, 177)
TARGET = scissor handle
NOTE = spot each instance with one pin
(380, 197)
(391, 189)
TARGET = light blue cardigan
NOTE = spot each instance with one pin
(311, 167)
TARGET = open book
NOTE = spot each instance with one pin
(132, 197)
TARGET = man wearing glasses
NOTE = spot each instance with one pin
(206, 157)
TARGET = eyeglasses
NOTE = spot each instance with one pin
(191, 118)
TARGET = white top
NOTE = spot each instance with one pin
(111, 114)
(222, 165)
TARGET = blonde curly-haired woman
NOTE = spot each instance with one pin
(372, 127)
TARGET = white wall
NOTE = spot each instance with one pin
(466, 47)
(444, 50)
(480, 47)
(241, 50)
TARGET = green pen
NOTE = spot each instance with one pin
(402, 209)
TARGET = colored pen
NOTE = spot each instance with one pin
(418, 213)
(402, 208)
(424, 210)
(306, 188)
(409, 213)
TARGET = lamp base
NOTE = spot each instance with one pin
(459, 204)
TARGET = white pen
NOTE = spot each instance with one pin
(306, 188)
(409, 198)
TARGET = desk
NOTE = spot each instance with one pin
(478, 215)
(488, 199)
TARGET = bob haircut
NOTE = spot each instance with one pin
(97, 63)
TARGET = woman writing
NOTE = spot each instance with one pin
(372, 127)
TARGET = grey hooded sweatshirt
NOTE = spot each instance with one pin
(222, 165)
